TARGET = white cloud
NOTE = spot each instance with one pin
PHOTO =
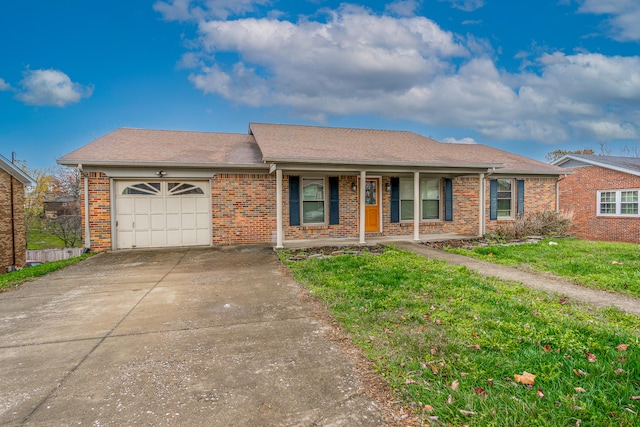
(624, 16)
(52, 88)
(198, 10)
(452, 140)
(351, 61)
(402, 7)
(4, 85)
(466, 5)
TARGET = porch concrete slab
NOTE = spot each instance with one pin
(193, 337)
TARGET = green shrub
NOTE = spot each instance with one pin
(541, 223)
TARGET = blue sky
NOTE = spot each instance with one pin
(527, 76)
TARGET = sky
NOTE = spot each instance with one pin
(526, 76)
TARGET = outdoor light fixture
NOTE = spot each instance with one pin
(387, 186)
(161, 173)
(354, 186)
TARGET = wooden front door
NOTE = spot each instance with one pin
(372, 205)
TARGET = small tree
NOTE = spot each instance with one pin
(67, 227)
(552, 156)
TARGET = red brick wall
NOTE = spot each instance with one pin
(349, 212)
(540, 195)
(99, 211)
(12, 229)
(243, 208)
(578, 193)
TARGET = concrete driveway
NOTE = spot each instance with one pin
(203, 336)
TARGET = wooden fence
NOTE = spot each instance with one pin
(47, 255)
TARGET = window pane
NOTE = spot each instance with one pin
(406, 188)
(430, 189)
(430, 209)
(607, 208)
(629, 197)
(608, 197)
(312, 189)
(504, 185)
(504, 207)
(313, 212)
(406, 209)
(629, 208)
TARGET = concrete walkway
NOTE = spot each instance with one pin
(534, 281)
(180, 337)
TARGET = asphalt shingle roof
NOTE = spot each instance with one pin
(619, 162)
(162, 147)
(268, 143)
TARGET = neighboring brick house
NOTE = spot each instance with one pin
(283, 183)
(602, 192)
(13, 231)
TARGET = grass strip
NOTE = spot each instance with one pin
(607, 266)
(16, 278)
(450, 342)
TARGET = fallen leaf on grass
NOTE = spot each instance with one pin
(622, 347)
(580, 390)
(463, 412)
(591, 357)
(525, 378)
(540, 393)
(620, 371)
(635, 397)
(409, 381)
(480, 392)
(455, 385)
(616, 263)
(547, 348)
(490, 381)
(449, 400)
(428, 408)
(580, 373)
(563, 300)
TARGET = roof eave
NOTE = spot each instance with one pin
(155, 164)
(568, 157)
(15, 172)
(340, 162)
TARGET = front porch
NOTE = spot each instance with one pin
(371, 241)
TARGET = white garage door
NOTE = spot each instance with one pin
(153, 214)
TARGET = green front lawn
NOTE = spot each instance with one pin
(16, 278)
(456, 347)
(599, 265)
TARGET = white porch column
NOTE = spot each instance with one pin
(363, 183)
(481, 207)
(279, 233)
(416, 206)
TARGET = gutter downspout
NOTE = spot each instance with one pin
(558, 192)
(87, 229)
(279, 227)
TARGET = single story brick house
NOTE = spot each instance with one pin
(603, 193)
(13, 229)
(284, 183)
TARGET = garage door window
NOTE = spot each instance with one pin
(149, 188)
(181, 189)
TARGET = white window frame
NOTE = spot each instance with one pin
(324, 200)
(617, 202)
(421, 185)
(512, 207)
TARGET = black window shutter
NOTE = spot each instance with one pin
(294, 200)
(493, 199)
(520, 197)
(395, 199)
(334, 200)
(448, 199)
